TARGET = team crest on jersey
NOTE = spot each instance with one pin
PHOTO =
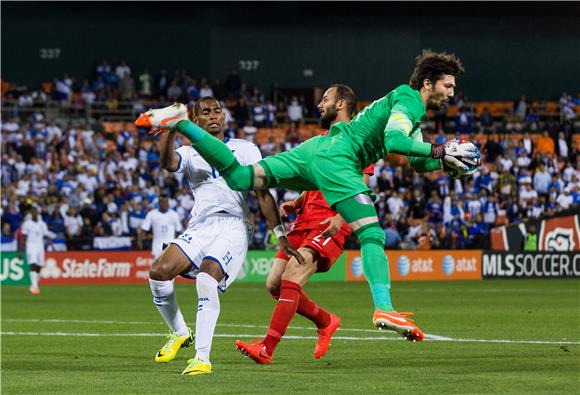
(185, 237)
(227, 258)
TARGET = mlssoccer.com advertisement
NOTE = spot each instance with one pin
(531, 265)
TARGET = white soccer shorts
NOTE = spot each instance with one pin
(35, 256)
(222, 238)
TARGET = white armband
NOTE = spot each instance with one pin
(279, 230)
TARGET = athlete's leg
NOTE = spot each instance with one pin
(169, 265)
(285, 170)
(306, 307)
(208, 306)
(219, 156)
(35, 260)
(34, 275)
(293, 279)
(275, 277)
(360, 214)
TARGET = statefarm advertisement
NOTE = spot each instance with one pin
(127, 267)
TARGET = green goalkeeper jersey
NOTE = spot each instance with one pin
(401, 109)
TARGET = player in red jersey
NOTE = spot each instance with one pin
(318, 233)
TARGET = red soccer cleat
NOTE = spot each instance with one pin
(35, 291)
(398, 322)
(256, 351)
(324, 336)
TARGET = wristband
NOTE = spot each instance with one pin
(437, 151)
(279, 231)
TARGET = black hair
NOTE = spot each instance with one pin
(433, 65)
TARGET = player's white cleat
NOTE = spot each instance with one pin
(163, 118)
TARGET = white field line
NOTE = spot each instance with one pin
(38, 320)
(290, 337)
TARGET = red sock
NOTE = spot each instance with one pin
(312, 311)
(283, 313)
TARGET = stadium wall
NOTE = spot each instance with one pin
(132, 267)
(514, 49)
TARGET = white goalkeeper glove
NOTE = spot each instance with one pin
(460, 155)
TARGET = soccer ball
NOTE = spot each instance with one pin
(471, 163)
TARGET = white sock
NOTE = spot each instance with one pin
(164, 299)
(34, 279)
(208, 311)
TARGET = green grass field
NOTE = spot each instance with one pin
(101, 339)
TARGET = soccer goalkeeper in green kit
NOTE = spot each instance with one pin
(333, 164)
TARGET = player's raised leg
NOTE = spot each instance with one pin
(214, 151)
(360, 214)
(161, 274)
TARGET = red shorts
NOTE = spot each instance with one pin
(329, 249)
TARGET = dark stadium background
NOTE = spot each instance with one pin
(508, 48)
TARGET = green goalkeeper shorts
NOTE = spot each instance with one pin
(326, 163)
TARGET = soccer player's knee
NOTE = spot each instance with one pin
(157, 273)
(372, 235)
(273, 288)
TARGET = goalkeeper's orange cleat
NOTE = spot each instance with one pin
(398, 322)
(324, 336)
(163, 118)
(256, 351)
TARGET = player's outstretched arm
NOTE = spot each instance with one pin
(422, 164)
(167, 156)
(397, 142)
(270, 210)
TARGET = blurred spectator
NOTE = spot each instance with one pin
(161, 83)
(295, 111)
(122, 69)
(545, 144)
(542, 180)
(492, 149)
(174, 91)
(205, 89)
(463, 121)
(486, 119)
(145, 83)
(528, 144)
(521, 108)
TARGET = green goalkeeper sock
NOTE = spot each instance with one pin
(190, 130)
(214, 151)
(372, 239)
(376, 270)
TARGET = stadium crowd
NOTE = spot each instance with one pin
(91, 183)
